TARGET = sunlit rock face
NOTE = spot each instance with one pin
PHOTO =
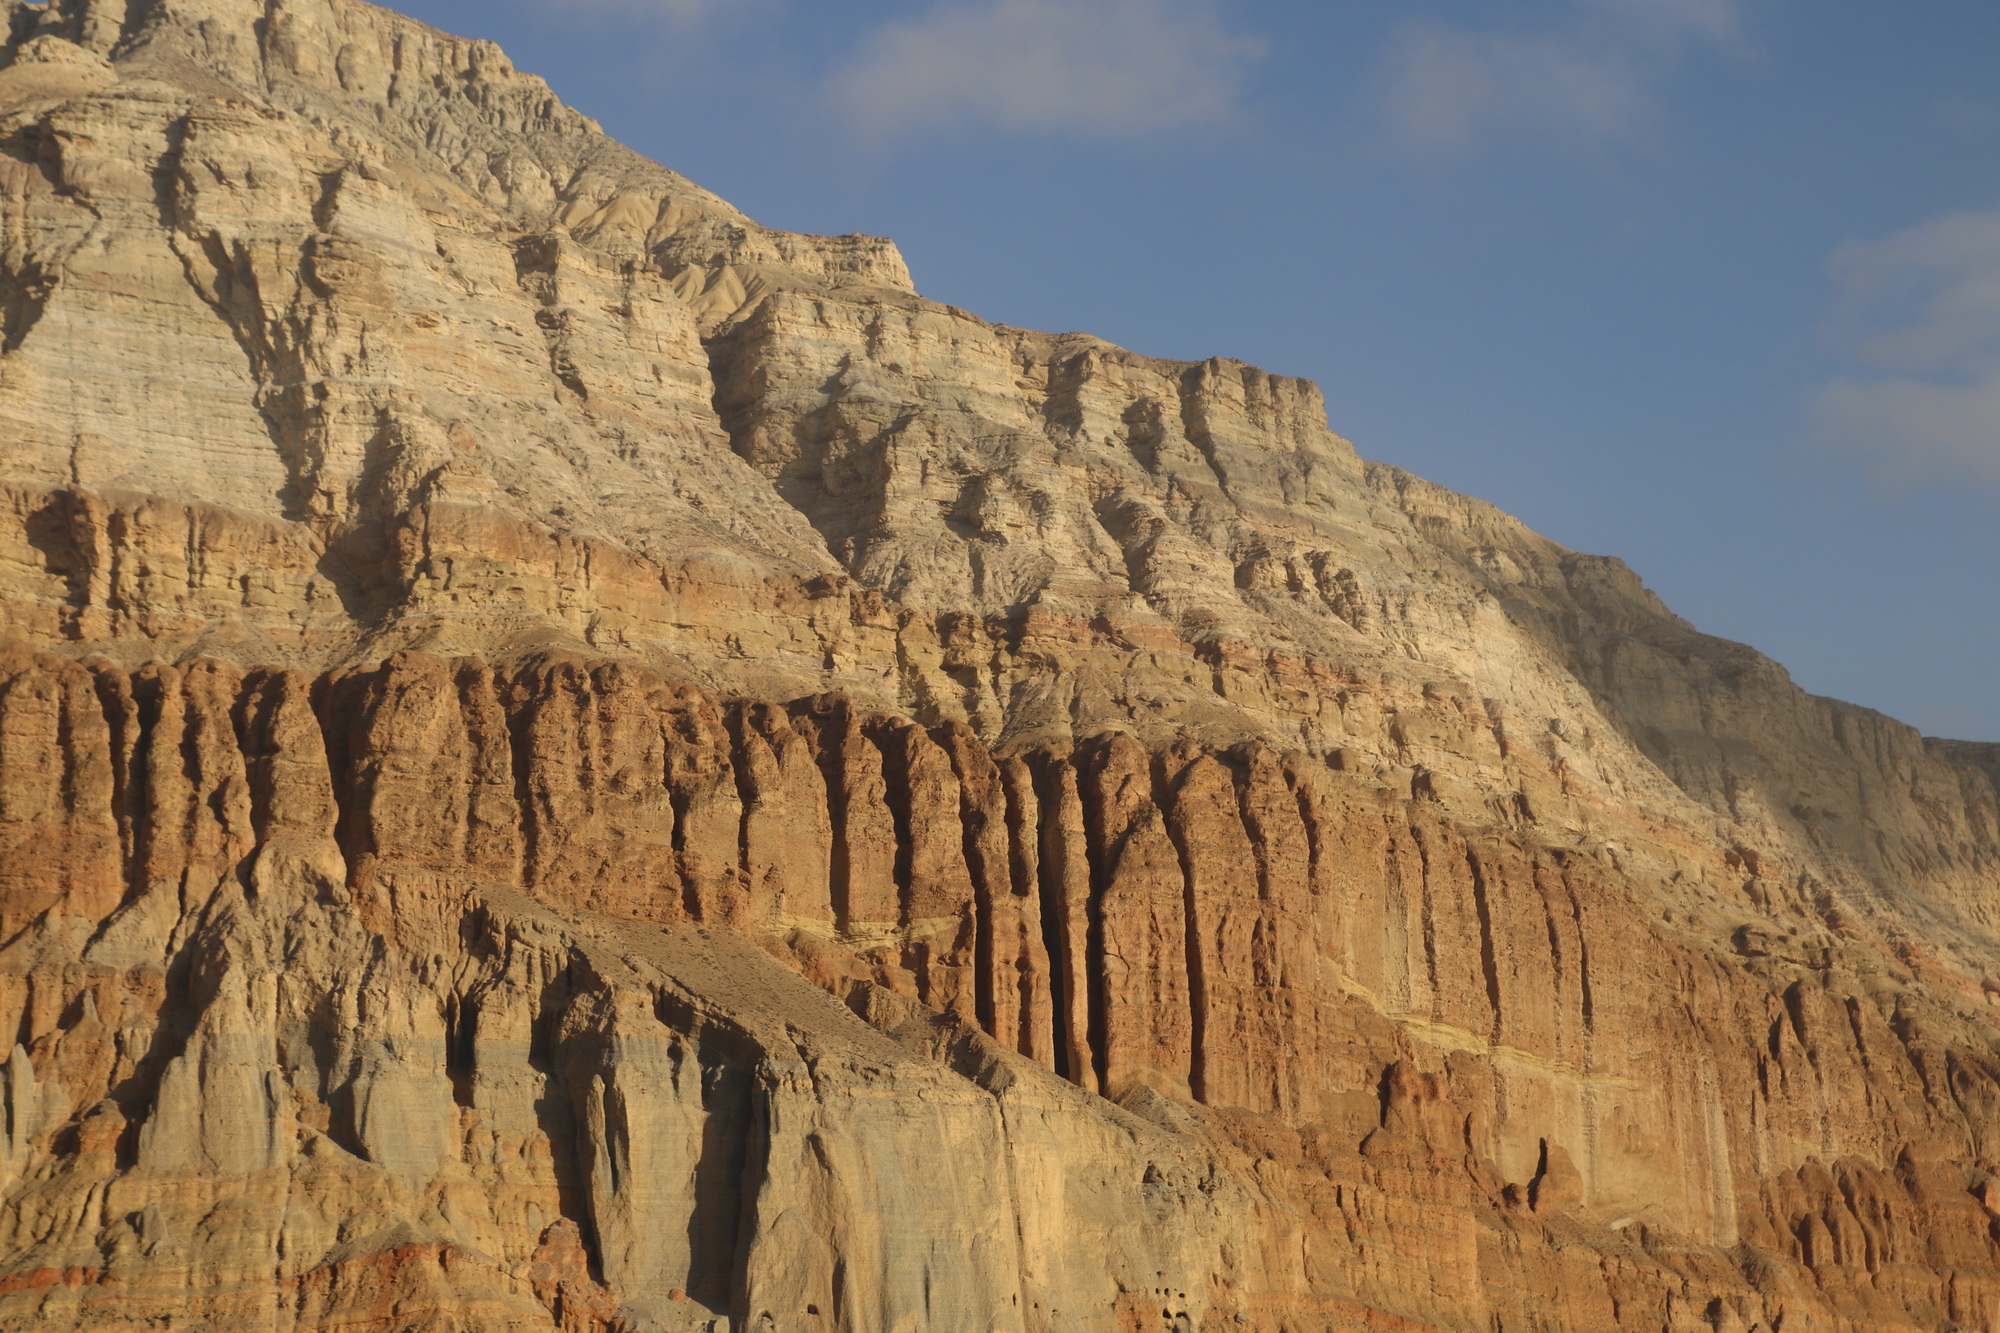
(569, 761)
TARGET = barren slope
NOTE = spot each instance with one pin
(573, 761)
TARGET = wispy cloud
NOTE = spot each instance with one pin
(1092, 67)
(1966, 115)
(1675, 20)
(1920, 310)
(680, 11)
(1591, 79)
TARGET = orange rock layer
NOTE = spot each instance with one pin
(1409, 1073)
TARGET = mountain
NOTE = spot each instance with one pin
(571, 761)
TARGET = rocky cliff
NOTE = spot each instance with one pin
(570, 761)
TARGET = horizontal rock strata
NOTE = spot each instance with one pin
(442, 955)
(570, 761)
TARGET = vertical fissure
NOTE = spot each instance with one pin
(1097, 995)
(128, 776)
(1034, 985)
(1192, 939)
(1101, 855)
(1055, 933)
(1429, 908)
(332, 702)
(973, 819)
(1587, 992)
(737, 725)
(894, 747)
(521, 760)
(826, 735)
(1489, 962)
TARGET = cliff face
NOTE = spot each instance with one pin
(570, 761)
(431, 992)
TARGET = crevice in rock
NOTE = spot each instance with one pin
(1194, 419)
(893, 742)
(723, 1173)
(755, 1169)
(461, 1044)
(1049, 886)
(334, 1063)
(137, 1095)
(1103, 848)
(563, 1078)
(1192, 940)
(51, 531)
(525, 693)
(737, 724)
(1429, 915)
(986, 878)
(329, 697)
(25, 290)
(825, 722)
(1587, 990)
(1489, 964)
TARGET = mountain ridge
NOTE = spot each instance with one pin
(571, 761)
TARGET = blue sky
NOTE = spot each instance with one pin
(1711, 285)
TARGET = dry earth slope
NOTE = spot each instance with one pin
(569, 761)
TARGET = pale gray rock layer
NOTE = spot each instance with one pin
(1264, 888)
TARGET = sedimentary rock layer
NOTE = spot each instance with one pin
(414, 987)
(569, 760)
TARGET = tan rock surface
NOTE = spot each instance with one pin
(571, 761)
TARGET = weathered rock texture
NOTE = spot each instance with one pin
(568, 761)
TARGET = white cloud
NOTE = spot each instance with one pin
(1921, 311)
(1719, 21)
(1591, 79)
(1966, 115)
(1452, 86)
(1095, 67)
(683, 11)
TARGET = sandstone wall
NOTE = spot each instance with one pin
(321, 998)
(569, 760)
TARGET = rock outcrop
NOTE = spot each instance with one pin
(569, 761)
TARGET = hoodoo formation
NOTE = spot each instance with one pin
(570, 761)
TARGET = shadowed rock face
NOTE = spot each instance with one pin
(571, 761)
